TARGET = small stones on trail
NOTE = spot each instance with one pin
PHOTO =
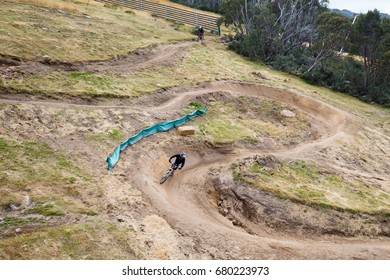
(14, 207)
(288, 113)
(44, 58)
(26, 201)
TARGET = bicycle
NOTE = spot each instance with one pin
(168, 173)
(200, 38)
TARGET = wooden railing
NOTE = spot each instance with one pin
(169, 12)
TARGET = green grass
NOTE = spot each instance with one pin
(196, 105)
(94, 240)
(112, 135)
(307, 183)
(45, 210)
(7, 222)
(35, 169)
(115, 134)
(223, 131)
(248, 119)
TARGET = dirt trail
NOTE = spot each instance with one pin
(188, 203)
(185, 203)
(134, 61)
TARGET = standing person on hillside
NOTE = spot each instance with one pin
(200, 34)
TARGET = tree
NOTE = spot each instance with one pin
(368, 36)
(272, 27)
(238, 13)
(333, 29)
(384, 66)
(295, 19)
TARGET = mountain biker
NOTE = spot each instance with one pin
(200, 33)
(179, 161)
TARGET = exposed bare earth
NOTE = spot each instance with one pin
(202, 213)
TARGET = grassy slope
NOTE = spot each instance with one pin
(51, 179)
(308, 183)
(251, 119)
(27, 31)
(92, 240)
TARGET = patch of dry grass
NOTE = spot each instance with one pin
(53, 4)
(88, 241)
(200, 64)
(90, 33)
(307, 183)
(234, 119)
(53, 183)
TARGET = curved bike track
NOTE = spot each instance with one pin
(188, 209)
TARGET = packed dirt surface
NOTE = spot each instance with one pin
(202, 212)
(135, 61)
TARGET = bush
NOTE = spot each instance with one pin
(379, 94)
(240, 47)
(295, 63)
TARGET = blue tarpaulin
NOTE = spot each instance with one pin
(158, 127)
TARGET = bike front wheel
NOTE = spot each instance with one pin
(163, 179)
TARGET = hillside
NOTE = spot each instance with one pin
(277, 169)
(350, 14)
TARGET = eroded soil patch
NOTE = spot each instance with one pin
(287, 196)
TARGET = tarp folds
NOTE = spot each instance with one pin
(158, 127)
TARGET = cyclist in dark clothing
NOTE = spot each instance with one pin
(200, 34)
(179, 161)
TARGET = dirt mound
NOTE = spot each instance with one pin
(242, 202)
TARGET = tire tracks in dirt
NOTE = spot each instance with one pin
(184, 202)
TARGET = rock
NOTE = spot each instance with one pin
(288, 114)
(13, 207)
(44, 58)
(26, 201)
(261, 161)
(186, 130)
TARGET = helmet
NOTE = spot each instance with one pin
(182, 154)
